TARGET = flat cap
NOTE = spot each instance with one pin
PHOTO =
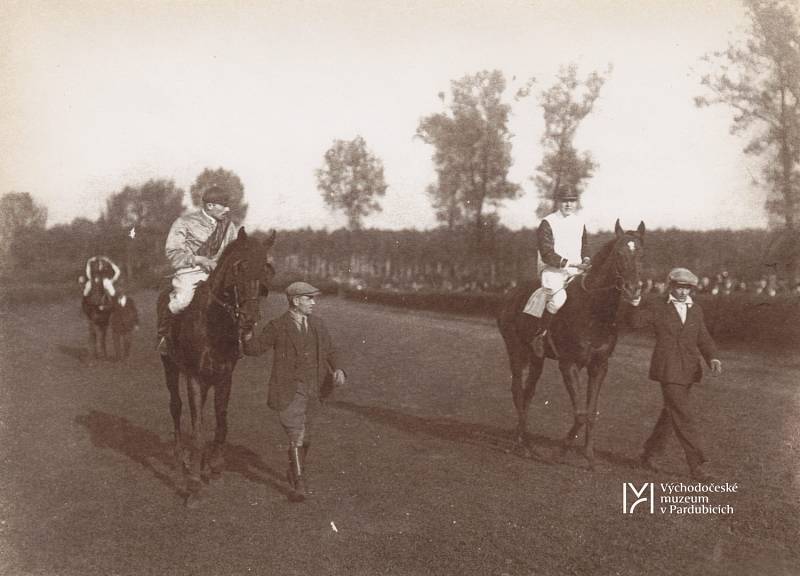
(216, 195)
(682, 276)
(301, 289)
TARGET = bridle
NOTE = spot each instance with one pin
(618, 285)
(234, 309)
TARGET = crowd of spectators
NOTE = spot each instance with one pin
(721, 284)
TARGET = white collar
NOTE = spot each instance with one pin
(688, 301)
(209, 216)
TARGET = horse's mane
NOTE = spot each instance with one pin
(224, 261)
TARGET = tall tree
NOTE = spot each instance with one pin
(565, 104)
(472, 154)
(19, 214)
(759, 78)
(351, 179)
(226, 180)
(136, 222)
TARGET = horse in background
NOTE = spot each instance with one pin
(582, 335)
(97, 306)
(207, 343)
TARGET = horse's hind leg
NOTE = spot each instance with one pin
(92, 341)
(103, 352)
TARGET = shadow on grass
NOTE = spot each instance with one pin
(542, 448)
(249, 465)
(79, 353)
(158, 457)
(140, 445)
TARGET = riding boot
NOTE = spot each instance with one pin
(537, 344)
(296, 473)
(164, 324)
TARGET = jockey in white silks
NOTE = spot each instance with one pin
(98, 266)
(194, 243)
(562, 253)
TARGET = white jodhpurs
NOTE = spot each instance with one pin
(184, 284)
(554, 281)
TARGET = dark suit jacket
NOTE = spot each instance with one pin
(679, 347)
(283, 338)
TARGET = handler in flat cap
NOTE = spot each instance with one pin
(682, 340)
(194, 243)
(303, 362)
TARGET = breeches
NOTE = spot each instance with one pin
(183, 287)
(298, 416)
(553, 282)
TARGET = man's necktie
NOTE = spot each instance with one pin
(215, 241)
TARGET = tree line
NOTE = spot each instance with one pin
(758, 78)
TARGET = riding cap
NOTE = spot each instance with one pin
(682, 276)
(216, 195)
(301, 289)
(566, 193)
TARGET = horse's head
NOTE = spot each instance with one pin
(626, 256)
(245, 275)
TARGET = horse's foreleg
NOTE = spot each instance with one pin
(172, 376)
(571, 376)
(103, 353)
(222, 394)
(93, 340)
(597, 374)
(196, 397)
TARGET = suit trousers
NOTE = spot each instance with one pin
(676, 414)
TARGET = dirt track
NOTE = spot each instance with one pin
(411, 463)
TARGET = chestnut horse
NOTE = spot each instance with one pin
(207, 339)
(582, 335)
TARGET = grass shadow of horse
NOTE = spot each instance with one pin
(157, 456)
(79, 353)
(488, 436)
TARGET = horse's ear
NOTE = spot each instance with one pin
(640, 229)
(618, 229)
(242, 234)
(270, 240)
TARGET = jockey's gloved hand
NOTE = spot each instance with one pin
(716, 367)
(205, 263)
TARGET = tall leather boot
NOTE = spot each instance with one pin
(164, 323)
(537, 344)
(296, 473)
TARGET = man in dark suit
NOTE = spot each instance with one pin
(304, 358)
(682, 340)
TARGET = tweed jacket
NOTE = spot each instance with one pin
(283, 338)
(679, 347)
(190, 234)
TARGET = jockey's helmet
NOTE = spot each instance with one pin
(566, 193)
(216, 195)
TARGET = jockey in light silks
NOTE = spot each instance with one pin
(194, 243)
(562, 253)
(97, 269)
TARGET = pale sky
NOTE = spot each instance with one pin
(99, 95)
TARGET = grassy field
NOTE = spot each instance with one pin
(412, 464)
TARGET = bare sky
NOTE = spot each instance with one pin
(99, 95)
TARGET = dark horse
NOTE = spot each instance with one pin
(97, 306)
(207, 339)
(582, 335)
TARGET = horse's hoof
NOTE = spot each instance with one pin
(192, 501)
